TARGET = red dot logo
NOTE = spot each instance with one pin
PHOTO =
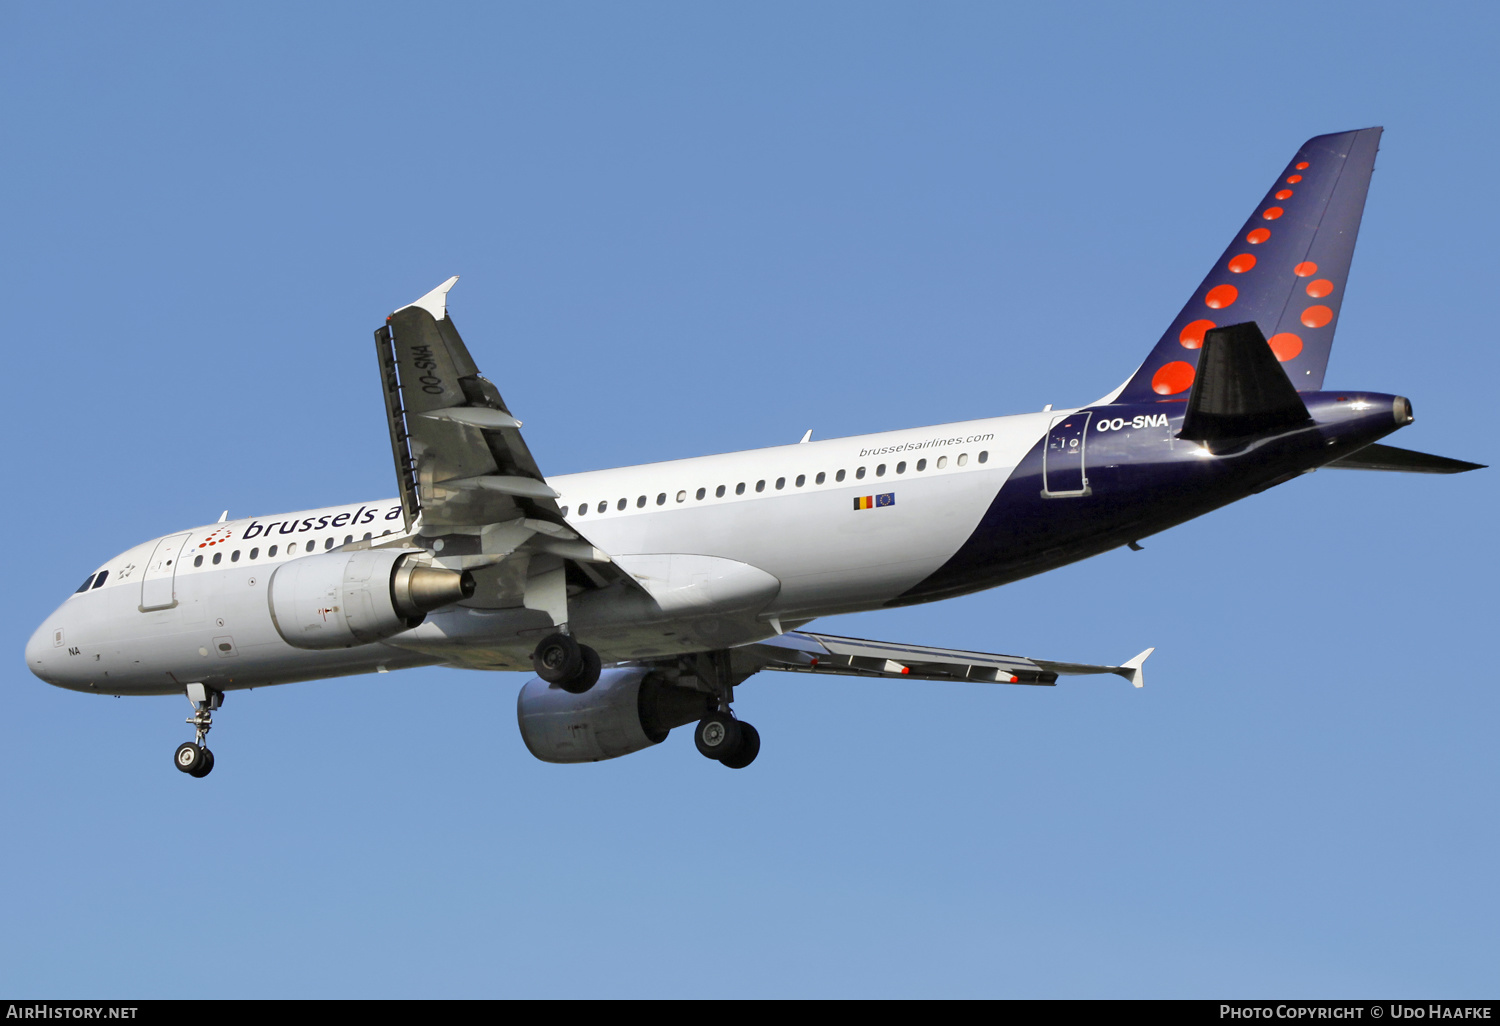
(1272, 213)
(1284, 194)
(1191, 336)
(1175, 377)
(1294, 179)
(1285, 345)
(1221, 296)
(1320, 288)
(1306, 269)
(1316, 316)
(1258, 236)
(1302, 166)
(1242, 263)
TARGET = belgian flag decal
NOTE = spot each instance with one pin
(874, 501)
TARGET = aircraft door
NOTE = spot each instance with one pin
(156, 582)
(1064, 474)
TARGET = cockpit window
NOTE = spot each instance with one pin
(85, 585)
(99, 581)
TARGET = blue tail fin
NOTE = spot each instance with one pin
(1286, 270)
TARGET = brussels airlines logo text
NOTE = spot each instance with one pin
(363, 515)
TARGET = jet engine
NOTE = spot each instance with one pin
(630, 708)
(342, 599)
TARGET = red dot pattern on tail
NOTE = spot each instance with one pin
(1285, 345)
(1175, 377)
(1316, 316)
(1191, 336)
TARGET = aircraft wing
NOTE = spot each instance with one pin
(465, 473)
(805, 652)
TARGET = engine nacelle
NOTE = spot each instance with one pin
(342, 599)
(630, 708)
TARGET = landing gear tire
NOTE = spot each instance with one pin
(191, 759)
(749, 748)
(205, 765)
(718, 735)
(588, 676)
(563, 661)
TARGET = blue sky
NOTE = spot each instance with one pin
(697, 228)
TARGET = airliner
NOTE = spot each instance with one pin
(641, 597)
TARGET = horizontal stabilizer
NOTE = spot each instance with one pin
(1388, 457)
(1240, 389)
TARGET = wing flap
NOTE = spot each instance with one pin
(806, 652)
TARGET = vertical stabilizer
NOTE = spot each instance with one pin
(1285, 270)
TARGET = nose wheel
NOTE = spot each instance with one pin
(193, 757)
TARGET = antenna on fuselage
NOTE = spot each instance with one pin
(806, 438)
(223, 517)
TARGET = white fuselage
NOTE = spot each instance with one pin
(734, 546)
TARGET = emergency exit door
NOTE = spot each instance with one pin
(156, 582)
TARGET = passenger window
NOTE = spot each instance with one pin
(583, 508)
(217, 557)
(901, 468)
(99, 581)
(719, 492)
(327, 543)
(234, 557)
(739, 489)
(760, 486)
(291, 549)
(860, 474)
(880, 470)
(256, 552)
(603, 505)
(963, 459)
(366, 538)
(623, 503)
(820, 478)
(700, 493)
(984, 457)
(682, 495)
(942, 462)
(565, 512)
(87, 581)
(921, 464)
(839, 476)
(801, 480)
(661, 499)
(271, 552)
(348, 539)
(197, 561)
(640, 502)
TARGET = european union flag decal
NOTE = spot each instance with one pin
(873, 501)
(888, 499)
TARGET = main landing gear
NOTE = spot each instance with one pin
(561, 660)
(719, 735)
(193, 757)
(733, 742)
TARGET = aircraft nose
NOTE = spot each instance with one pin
(39, 651)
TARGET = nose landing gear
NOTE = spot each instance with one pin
(193, 757)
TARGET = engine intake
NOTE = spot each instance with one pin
(342, 599)
(630, 708)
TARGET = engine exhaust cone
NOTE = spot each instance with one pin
(417, 590)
